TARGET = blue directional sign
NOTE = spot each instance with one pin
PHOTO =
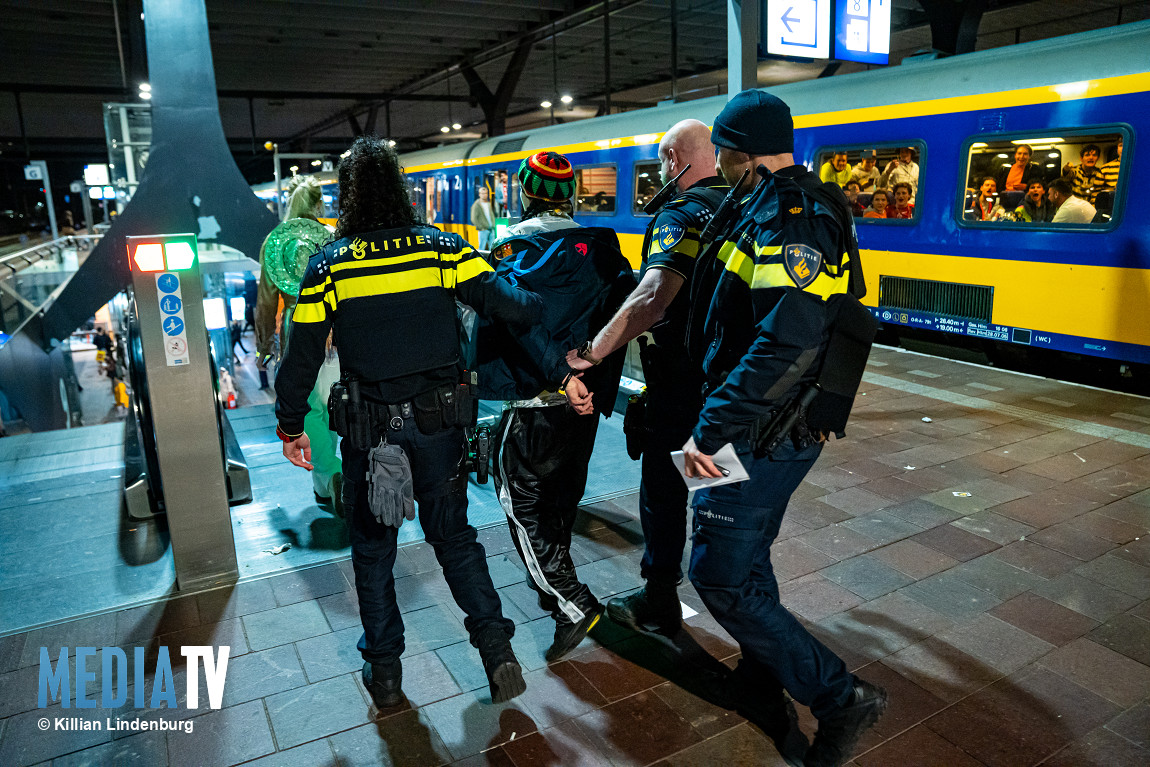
(173, 326)
(170, 304)
(798, 28)
(862, 31)
(168, 283)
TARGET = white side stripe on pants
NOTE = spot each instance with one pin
(533, 567)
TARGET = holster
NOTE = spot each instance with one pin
(447, 406)
(789, 421)
(635, 424)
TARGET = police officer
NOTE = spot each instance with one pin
(386, 286)
(789, 253)
(543, 445)
(674, 386)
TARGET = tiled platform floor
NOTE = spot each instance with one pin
(990, 568)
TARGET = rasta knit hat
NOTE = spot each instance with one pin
(756, 123)
(547, 176)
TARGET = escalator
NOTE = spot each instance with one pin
(143, 483)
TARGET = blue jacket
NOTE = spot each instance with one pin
(583, 279)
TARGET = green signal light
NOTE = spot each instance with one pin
(179, 255)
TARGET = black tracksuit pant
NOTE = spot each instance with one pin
(541, 457)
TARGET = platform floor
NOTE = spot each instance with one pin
(990, 567)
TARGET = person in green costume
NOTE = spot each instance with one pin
(283, 260)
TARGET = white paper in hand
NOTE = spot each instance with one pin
(725, 460)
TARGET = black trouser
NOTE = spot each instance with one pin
(442, 499)
(674, 399)
(541, 457)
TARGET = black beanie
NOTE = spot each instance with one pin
(756, 123)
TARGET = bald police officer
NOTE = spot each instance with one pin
(674, 385)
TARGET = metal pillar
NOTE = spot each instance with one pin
(170, 312)
(742, 45)
(607, 57)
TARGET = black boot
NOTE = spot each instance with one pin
(758, 697)
(504, 674)
(568, 635)
(839, 732)
(384, 682)
(655, 607)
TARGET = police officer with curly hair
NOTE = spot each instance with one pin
(785, 285)
(387, 287)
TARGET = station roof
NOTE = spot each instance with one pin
(306, 73)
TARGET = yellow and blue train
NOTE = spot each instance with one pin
(1077, 288)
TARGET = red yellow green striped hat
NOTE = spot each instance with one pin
(547, 176)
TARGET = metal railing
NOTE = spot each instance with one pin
(11, 263)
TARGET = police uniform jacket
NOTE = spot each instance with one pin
(389, 296)
(672, 243)
(582, 278)
(766, 324)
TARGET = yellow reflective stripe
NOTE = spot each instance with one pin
(310, 312)
(382, 261)
(740, 263)
(687, 246)
(472, 267)
(775, 276)
(316, 288)
(383, 284)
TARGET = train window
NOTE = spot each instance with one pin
(646, 184)
(880, 181)
(1041, 179)
(595, 190)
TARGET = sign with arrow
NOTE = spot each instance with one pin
(799, 28)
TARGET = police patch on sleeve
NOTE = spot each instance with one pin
(668, 235)
(802, 263)
(502, 252)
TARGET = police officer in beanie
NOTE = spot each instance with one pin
(387, 287)
(789, 259)
(674, 385)
(543, 444)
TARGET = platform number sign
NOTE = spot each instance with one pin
(862, 31)
(175, 333)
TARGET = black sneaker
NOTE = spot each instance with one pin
(569, 635)
(651, 608)
(504, 674)
(839, 732)
(384, 682)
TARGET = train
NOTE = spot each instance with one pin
(1082, 290)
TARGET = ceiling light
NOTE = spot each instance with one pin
(391, 142)
(1053, 140)
(145, 88)
(566, 99)
(345, 154)
(145, 95)
(316, 163)
(294, 168)
(545, 104)
(1000, 156)
(456, 126)
(445, 129)
(978, 145)
(1052, 154)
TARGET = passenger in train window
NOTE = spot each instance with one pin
(543, 444)
(852, 190)
(1110, 170)
(483, 217)
(836, 169)
(1086, 178)
(865, 172)
(985, 206)
(501, 193)
(661, 304)
(762, 345)
(1035, 208)
(386, 287)
(1018, 176)
(903, 206)
(903, 169)
(1069, 208)
(879, 202)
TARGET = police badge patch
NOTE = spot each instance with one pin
(668, 236)
(502, 252)
(802, 263)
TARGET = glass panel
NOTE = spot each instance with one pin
(646, 184)
(880, 181)
(596, 190)
(1042, 179)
